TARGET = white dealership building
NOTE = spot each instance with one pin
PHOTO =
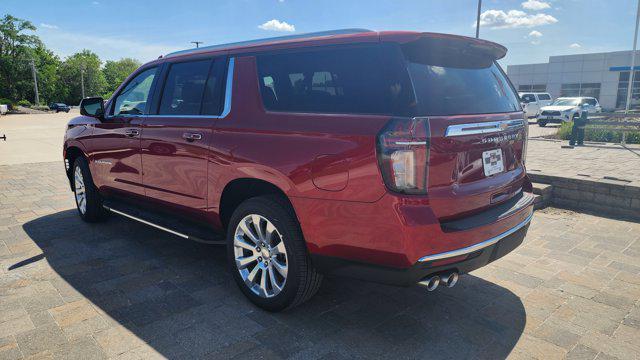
(604, 76)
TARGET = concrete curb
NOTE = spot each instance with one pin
(612, 197)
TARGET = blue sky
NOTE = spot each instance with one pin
(531, 29)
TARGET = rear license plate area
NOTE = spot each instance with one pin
(492, 162)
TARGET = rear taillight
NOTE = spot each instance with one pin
(403, 154)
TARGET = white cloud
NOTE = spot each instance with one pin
(535, 42)
(48, 26)
(498, 19)
(575, 46)
(535, 5)
(535, 33)
(277, 25)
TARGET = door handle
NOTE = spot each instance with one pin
(131, 132)
(192, 136)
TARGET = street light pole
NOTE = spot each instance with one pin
(82, 80)
(633, 63)
(197, 43)
(35, 81)
(478, 19)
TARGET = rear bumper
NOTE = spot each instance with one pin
(472, 259)
(399, 240)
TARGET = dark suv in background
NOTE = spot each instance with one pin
(59, 107)
(394, 157)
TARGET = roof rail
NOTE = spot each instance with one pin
(267, 40)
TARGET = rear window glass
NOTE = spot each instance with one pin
(544, 97)
(456, 80)
(358, 79)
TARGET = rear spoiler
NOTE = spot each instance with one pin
(452, 50)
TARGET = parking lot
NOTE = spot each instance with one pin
(118, 289)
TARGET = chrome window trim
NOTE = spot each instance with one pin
(483, 127)
(478, 246)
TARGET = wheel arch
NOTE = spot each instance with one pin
(72, 152)
(241, 189)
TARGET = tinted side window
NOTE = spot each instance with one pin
(184, 88)
(359, 80)
(544, 97)
(527, 98)
(133, 98)
(213, 98)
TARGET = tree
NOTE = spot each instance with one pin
(115, 72)
(16, 50)
(85, 64)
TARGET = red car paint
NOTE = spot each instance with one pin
(326, 164)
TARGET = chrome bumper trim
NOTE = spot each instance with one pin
(478, 246)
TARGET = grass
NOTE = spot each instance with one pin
(600, 135)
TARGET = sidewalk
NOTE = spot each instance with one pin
(600, 178)
(594, 161)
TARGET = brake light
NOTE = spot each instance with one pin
(403, 154)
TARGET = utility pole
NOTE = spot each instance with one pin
(478, 19)
(633, 63)
(35, 81)
(82, 80)
(197, 43)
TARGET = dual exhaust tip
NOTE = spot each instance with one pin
(431, 283)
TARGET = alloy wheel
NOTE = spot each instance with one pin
(80, 190)
(260, 255)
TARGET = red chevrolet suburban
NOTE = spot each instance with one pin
(393, 157)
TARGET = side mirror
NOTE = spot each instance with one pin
(92, 106)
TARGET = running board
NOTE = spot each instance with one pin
(214, 240)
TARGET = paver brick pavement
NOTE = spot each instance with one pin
(119, 289)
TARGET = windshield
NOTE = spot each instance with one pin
(448, 82)
(567, 102)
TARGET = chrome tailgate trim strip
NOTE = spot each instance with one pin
(483, 127)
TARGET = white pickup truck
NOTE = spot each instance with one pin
(532, 102)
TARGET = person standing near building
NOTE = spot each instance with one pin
(577, 132)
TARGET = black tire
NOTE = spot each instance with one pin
(93, 212)
(542, 123)
(302, 281)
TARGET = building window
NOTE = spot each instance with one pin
(584, 89)
(533, 88)
(623, 83)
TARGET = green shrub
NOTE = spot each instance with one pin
(599, 135)
(565, 130)
(7, 102)
(25, 103)
(40, 107)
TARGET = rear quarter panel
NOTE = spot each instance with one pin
(289, 149)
